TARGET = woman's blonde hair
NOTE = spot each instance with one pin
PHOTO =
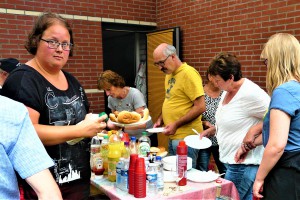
(282, 52)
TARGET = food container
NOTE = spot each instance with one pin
(170, 163)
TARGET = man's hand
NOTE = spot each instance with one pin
(170, 129)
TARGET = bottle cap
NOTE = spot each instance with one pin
(105, 136)
(182, 143)
(103, 113)
(144, 133)
(158, 158)
(133, 138)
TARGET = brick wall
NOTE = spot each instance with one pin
(238, 26)
(17, 18)
(208, 27)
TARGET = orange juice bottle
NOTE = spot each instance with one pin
(114, 154)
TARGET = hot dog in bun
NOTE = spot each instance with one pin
(126, 117)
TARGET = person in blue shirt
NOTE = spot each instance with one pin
(22, 151)
(279, 172)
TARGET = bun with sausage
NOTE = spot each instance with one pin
(126, 117)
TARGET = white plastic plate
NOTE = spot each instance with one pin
(155, 130)
(202, 176)
(195, 142)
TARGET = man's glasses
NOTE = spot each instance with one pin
(266, 62)
(162, 62)
(53, 44)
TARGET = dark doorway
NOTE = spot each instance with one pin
(124, 47)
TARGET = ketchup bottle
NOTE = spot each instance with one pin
(181, 162)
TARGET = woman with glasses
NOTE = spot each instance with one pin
(56, 103)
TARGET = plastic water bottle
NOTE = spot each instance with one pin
(132, 145)
(119, 168)
(160, 174)
(144, 145)
(151, 175)
(124, 176)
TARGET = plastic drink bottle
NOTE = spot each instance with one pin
(132, 145)
(124, 176)
(126, 151)
(181, 161)
(104, 152)
(96, 161)
(151, 175)
(119, 169)
(113, 156)
(144, 145)
(160, 174)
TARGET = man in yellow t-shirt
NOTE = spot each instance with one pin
(184, 98)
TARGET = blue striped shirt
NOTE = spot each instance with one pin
(21, 150)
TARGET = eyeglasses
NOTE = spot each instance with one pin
(162, 62)
(53, 44)
(266, 62)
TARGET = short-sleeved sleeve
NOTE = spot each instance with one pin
(28, 154)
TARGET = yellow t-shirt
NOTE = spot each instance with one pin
(181, 89)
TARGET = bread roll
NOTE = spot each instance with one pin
(112, 117)
(126, 117)
(162, 149)
(116, 113)
(154, 150)
(145, 114)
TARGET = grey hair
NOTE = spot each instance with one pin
(169, 50)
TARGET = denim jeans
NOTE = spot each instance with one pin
(192, 153)
(243, 177)
(204, 157)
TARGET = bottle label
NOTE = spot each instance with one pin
(95, 149)
(124, 173)
(181, 164)
(104, 149)
(152, 178)
(112, 167)
(98, 162)
(144, 148)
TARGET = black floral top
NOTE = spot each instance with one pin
(209, 114)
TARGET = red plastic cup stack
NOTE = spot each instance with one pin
(131, 169)
(140, 179)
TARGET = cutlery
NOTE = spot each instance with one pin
(221, 174)
(196, 132)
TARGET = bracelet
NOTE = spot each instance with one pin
(246, 146)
